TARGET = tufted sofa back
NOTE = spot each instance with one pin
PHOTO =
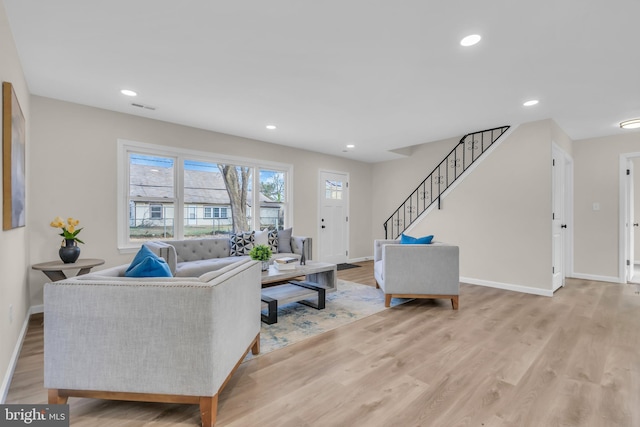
(200, 249)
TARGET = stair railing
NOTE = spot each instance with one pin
(464, 154)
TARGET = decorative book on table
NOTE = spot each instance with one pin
(284, 265)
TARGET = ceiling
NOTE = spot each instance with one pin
(381, 75)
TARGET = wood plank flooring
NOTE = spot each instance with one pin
(503, 359)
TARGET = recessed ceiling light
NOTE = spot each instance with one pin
(350, 146)
(470, 40)
(530, 103)
(271, 127)
(630, 124)
(128, 92)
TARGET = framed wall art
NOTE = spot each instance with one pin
(13, 160)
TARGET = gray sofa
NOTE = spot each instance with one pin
(417, 271)
(193, 257)
(150, 339)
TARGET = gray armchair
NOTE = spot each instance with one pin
(417, 271)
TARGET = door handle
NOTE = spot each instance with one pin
(635, 224)
(324, 226)
(563, 226)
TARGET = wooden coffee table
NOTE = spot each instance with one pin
(320, 278)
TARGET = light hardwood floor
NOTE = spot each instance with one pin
(503, 359)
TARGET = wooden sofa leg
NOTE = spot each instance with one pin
(255, 348)
(55, 398)
(209, 410)
(377, 286)
(454, 302)
(387, 300)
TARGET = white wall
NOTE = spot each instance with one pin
(500, 216)
(14, 243)
(596, 235)
(73, 173)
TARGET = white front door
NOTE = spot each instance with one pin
(334, 217)
(558, 224)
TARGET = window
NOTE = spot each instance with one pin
(272, 199)
(220, 213)
(152, 197)
(333, 189)
(156, 212)
(173, 193)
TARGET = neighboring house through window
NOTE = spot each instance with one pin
(167, 193)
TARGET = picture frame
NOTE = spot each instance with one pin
(13, 160)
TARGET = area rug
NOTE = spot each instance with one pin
(296, 322)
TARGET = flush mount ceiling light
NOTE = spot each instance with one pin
(350, 146)
(630, 124)
(530, 103)
(271, 127)
(470, 40)
(128, 92)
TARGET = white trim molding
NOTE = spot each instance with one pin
(507, 286)
(8, 376)
(596, 278)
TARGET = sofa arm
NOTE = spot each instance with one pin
(298, 242)
(164, 251)
(377, 247)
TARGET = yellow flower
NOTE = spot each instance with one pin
(57, 222)
(69, 230)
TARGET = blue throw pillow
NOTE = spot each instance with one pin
(148, 264)
(408, 240)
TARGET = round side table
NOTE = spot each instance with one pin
(55, 269)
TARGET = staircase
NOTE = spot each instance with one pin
(470, 148)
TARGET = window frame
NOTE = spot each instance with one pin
(125, 147)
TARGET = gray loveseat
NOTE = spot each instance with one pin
(163, 339)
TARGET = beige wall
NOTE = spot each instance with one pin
(394, 180)
(499, 216)
(597, 180)
(14, 244)
(73, 173)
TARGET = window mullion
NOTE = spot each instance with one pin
(179, 189)
(255, 195)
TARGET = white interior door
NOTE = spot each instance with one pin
(334, 217)
(558, 220)
(629, 220)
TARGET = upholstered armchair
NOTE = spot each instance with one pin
(417, 271)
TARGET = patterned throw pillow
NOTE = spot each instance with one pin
(241, 243)
(273, 241)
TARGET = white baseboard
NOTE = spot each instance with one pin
(6, 381)
(508, 286)
(361, 259)
(597, 278)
